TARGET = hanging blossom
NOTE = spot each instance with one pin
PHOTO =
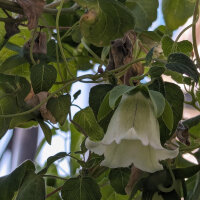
(132, 137)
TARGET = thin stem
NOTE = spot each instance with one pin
(195, 16)
(55, 191)
(31, 47)
(54, 4)
(59, 39)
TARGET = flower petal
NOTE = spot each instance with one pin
(134, 152)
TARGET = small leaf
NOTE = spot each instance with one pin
(119, 179)
(81, 188)
(51, 160)
(183, 64)
(167, 116)
(177, 12)
(86, 120)
(32, 188)
(59, 107)
(149, 56)
(158, 102)
(104, 109)
(10, 184)
(42, 77)
(117, 92)
(77, 94)
(156, 71)
(47, 131)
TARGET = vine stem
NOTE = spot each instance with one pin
(55, 191)
(195, 16)
(32, 44)
(87, 76)
(59, 39)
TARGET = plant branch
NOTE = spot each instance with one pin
(55, 191)
(73, 80)
(59, 39)
(14, 7)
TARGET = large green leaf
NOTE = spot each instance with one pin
(169, 46)
(109, 194)
(181, 63)
(10, 184)
(42, 77)
(32, 188)
(105, 21)
(11, 63)
(177, 12)
(119, 179)
(8, 105)
(59, 107)
(87, 122)
(144, 11)
(97, 94)
(175, 97)
(81, 188)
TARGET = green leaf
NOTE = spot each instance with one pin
(42, 77)
(86, 120)
(46, 130)
(119, 178)
(104, 109)
(32, 188)
(117, 92)
(167, 116)
(59, 107)
(12, 62)
(77, 94)
(10, 184)
(81, 188)
(189, 123)
(158, 102)
(144, 11)
(105, 21)
(183, 64)
(175, 97)
(109, 194)
(177, 12)
(75, 145)
(97, 94)
(149, 56)
(187, 172)
(169, 46)
(156, 71)
(8, 105)
(51, 160)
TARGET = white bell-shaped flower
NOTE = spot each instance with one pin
(132, 137)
